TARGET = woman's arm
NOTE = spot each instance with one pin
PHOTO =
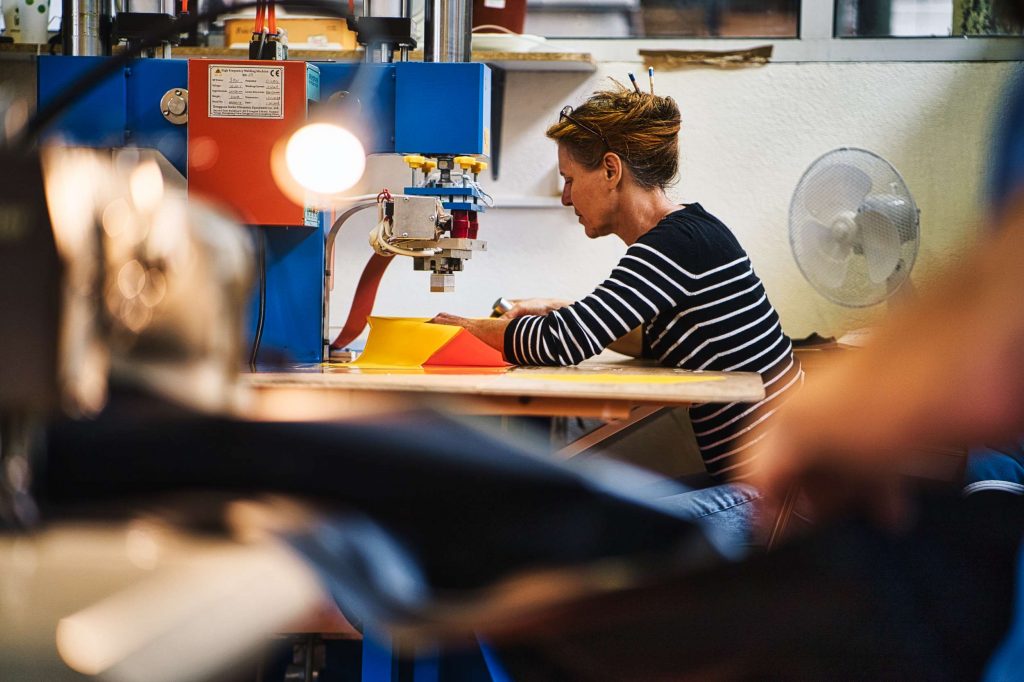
(647, 282)
(534, 306)
(490, 331)
(632, 344)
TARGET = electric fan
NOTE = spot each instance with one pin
(853, 227)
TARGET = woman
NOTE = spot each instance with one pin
(684, 293)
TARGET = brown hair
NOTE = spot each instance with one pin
(643, 129)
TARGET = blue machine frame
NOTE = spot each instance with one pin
(406, 107)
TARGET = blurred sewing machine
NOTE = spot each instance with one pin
(416, 523)
(279, 144)
(111, 280)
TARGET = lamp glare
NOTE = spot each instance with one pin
(325, 158)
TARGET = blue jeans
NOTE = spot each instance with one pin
(846, 601)
(995, 469)
(725, 511)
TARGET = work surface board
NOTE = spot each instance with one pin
(597, 387)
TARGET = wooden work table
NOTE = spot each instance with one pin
(607, 387)
(621, 391)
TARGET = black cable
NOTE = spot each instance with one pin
(23, 140)
(261, 265)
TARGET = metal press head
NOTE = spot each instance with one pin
(437, 240)
(453, 183)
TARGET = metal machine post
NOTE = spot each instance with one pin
(81, 32)
(447, 33)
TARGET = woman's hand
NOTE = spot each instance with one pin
(533, 306)
(490, 331)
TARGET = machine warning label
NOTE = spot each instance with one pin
(246, 91)
(311, 217)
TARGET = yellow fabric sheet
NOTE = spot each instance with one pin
(403, 342)
(608, 378)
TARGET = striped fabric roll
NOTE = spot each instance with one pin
(688, 283)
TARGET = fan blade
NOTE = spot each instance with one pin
(880, 240)
(826, 258)
(835, 188)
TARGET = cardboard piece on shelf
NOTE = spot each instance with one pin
(304, 32)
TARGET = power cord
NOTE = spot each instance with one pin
(261, 265)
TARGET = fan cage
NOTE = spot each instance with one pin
(827, 187)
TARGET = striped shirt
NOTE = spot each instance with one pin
(691, 287)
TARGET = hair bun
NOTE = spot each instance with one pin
(642, 128)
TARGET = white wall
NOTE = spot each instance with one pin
(748, 135)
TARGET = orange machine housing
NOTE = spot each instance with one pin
(238, 111)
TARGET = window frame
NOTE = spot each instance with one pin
(816, 43)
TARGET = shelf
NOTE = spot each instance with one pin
(538, 61)
(580, 62)
(509, 61)
(22, 51)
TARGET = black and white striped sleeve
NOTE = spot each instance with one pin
(644, 284)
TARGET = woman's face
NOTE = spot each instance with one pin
(589, 192)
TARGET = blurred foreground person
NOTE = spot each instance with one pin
(947, 372)
(431, 528)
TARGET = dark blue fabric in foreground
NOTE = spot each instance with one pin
(421, 504)
(428, 513)
(929, 601)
